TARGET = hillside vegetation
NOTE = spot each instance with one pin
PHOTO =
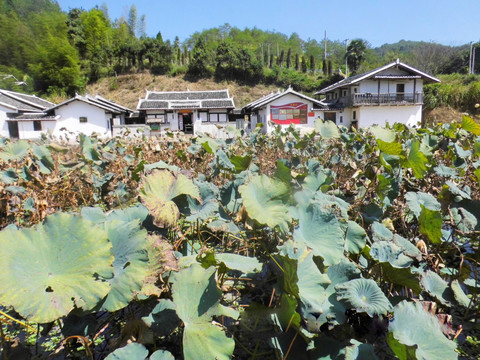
(75, 49)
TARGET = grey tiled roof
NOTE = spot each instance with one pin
(353, 79)
(218, 103)
(34, 99)
(31, 117)
(217, 99)
(188, 95)
(16, 104)
(153, 105)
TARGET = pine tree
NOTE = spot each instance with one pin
(312, 64)
(289, 58)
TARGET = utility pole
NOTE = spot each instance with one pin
(473, 59)
(325, 45)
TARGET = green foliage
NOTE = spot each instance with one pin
(306, 246)
(69, 270)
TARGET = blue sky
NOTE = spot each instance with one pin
(442, 21)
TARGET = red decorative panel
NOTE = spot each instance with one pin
(293, 113)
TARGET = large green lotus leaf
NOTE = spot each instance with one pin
(392, 248)
(390, 148)
(364, 295)
(382, 133)
(158, 192)
(455, 190)
(13, 151)
(446, 171)
(356, 238)
(416, 199)
(413, 326)
(132, 351)
(163, 319)
(137, 212)
(8, 176)
(327, 129)
(241, 163)
(131, 262)
(162, 355)
(298, 266)
(264, 199)
(322, 230)
(403, 352)
(53, 267)
(437, 287)
(470, 125)
(459, 294)
(416, 160)
(431, 224)
(360, 351)
(401, 277)
(207, 207)
(465, 220)
(45, 161)
(332, 311)
(320, 179)
(245, 264)
(197, 299)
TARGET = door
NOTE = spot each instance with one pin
(331, 116)
(400, 92)
(13, 129)
(187, 123)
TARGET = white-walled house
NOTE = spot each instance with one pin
(389, 94)
(87, 115)
(22, 116)
(193, 112)
(283, 108)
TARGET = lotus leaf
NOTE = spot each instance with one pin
(45, 161)
(390, 148)
(197, 299)
(431, 224)
(130, 264)
(426, 333)
(416, 199)
(207, 207)
(470, 125)
(437, 287)
(161, 355)
(48, 270)
(158, 192)
(320, 228)
(416, 160)
(264, 200)
(364, 295)
(327, 129)
(129, 352)
(163, 319)
(245, 264)
(382, 133)
(14, 151)
(302, 278)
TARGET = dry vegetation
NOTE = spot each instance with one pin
(127, 89)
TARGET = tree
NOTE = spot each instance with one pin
(312, 64)
(297, 62)
(289, 58)
(304, 65)
(199, 66)
(132, 20)
(355, 54)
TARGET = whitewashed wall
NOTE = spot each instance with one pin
(3, 121)
(264, 113)
(380, 115)
(26, 131)
(97, 119)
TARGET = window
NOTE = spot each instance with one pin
(354, 115)
(37, 125)
(344, 92)
(341, 119)
(213, 117)
(83, 119)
